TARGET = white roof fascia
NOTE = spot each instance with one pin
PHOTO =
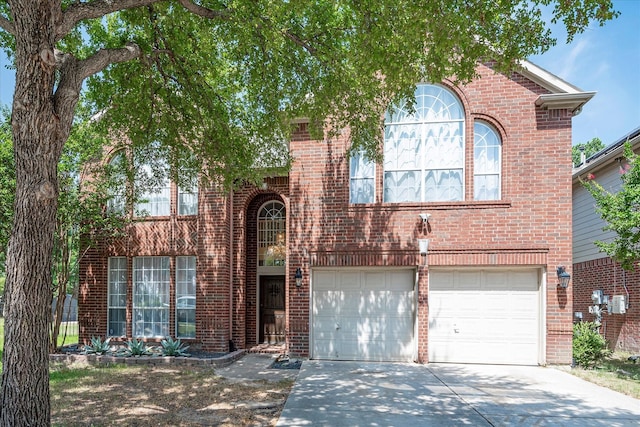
(570, 101)
(563, 95)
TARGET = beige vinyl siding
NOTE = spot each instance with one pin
(587, 224)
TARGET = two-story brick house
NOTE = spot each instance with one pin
(445, 251)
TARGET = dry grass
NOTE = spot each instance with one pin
(161, 396)
(615, 373)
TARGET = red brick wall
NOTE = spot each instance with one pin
(531, 225)
(246, 203)
(622, 331)
(205, 236)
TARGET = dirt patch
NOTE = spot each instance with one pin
(162, 396)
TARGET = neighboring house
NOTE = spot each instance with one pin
(617, 291)
(326, 261)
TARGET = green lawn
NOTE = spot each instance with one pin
(616, 373)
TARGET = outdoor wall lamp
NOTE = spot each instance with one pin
(425, 217)
(423, 245)
(563, 277)
(298, 277)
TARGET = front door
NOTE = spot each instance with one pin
(272, 309)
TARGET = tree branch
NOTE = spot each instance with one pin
(297, 40)
(203, 11)
(104, 57)
(79, 11)
(73, 72)
(7, 25)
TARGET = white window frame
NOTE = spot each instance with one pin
(190, 194)
(186, 295)
(153, 203)
(479, 171)
(151, 287)
(117, 298)
(361, 171)
(409, 159)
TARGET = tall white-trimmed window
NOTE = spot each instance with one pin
(151, 296)
(424, 149)
(272, 234)
(188, 200)
(155, 200)
(117, 297)
(487, 162)
(118, 185)
(186, 296)
(361, 179)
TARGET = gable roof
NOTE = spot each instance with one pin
(563, 95)
(608, 154)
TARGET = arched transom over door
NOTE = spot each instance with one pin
(272, 245)
(272, 235)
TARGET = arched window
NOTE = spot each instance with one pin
(424, 149)
(272, 240)
(487, 162)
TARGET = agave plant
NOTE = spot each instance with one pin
(137, 348)
(97, 346)
(171, 347)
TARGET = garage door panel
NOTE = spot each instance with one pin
(396, 328)
(328, 302)
(466, 280)
(400, 302)
(363, 350)
(372, 321)
(483, 316)
(349, 281)
(358, 328)
(362, 303)
(324, 323)
(375, 280)
(326, 348)
(326, 280)
(401, 280)
(439, 280)
(525, 280)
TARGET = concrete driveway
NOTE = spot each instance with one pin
(398, 394)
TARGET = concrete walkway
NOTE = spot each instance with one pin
(396, 394)
(256, 367)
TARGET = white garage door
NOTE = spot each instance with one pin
(363, 315)
(484, 316)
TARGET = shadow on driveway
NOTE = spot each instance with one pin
(330, 393)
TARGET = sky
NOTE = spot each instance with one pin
(605, 60)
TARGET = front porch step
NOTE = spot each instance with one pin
(268, 349)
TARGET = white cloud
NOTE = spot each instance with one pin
(571, 64)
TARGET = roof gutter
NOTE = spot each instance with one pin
(562, 101)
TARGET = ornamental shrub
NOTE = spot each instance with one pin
(589, 347)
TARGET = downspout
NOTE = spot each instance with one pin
(231, 256)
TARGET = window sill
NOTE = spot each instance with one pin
(149, 218)
(411, 206)
(187, 217)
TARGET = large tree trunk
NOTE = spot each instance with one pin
(37, 142)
